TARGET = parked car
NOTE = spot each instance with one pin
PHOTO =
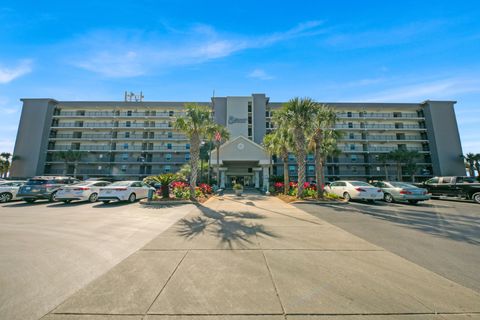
(43, 187)
(401, 191)
(9, 190)
(456, 186)
(357, 190)
(124, 191)
(83, 191)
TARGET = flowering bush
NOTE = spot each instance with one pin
(278, 187)
(180, 190)
(205, 188)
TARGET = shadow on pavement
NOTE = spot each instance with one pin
(25, 204)
(455, 227)
(229, 227)
(112, 204)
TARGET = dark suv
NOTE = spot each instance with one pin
(44, 187)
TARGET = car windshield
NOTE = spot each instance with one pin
(402, 185)
(121, 184)
(37, 182)
(360, 184)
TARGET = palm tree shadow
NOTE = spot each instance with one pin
(230, 228)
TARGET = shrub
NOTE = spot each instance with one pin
(278, 187)
(237, 186)
(180, 190)
(205, 188)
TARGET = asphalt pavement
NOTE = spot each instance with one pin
(440, 235)
(50, 250)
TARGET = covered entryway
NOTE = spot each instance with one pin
(242, 161)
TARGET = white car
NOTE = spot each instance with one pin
(83, 191)
(124, 191)
(358, 190)
(9, 190)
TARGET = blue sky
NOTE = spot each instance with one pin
(409, 51)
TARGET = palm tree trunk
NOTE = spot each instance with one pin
(399, 171)
(201, 170)
(218, 163)
(318, 170)
(472, 168)
(209, 161)
(65, 169)
(386, 171)
(301, 154)
(75, 164)
(286, 180)
(194, 157)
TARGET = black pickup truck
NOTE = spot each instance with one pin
(459, 187)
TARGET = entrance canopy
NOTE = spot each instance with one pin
(241, 149)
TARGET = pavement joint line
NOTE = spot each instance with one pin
(274, 284)
(166, 282)
(268, 249)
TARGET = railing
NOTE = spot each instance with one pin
(374, 115)
(110, 125)
(377, 126)
(120, 137)
(119, 148)
(113, 114)
(380, 149)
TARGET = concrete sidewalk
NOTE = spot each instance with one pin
(256, 257)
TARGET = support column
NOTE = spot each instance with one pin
(257, 177)
(222, 177)
(265, 179)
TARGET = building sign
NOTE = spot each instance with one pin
(232, 120)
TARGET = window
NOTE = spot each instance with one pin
(349, 114)
(432, 181)
(169, 146)
(309, 157)
(125, 146)
(129, 113)
(291, 157)
(249, 119)
(352, 147)
(249, 132)
(124, 168)
(353, 158)
(128, 124)
(127, 134)
(249, 106)
(125, 156)
(351, 135)
(350, 124)
(168, 157)
(170, 113)
(311, 169)
(291, 169)
(446, 180)
(167, 168)
(187, 156)
(187, 146)
(169, 134)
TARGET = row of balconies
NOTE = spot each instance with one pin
(378, 115)
(117, 114)
(111, 137)
(386, 138)
(120, 148)
(380, 149)
(109, 125)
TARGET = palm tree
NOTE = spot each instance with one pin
(477, 164)
(470, 159)
(5, 164)
(210, 135)
(383, 158)
(404, 158)
(279, 143)
(221, 135)
(323, 142)
(297, 114)
(70, 156)
(194, 124)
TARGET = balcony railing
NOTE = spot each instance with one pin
(380, 149)
(385, 138)
(113, 114)
(120, 148)
(119, 137)
(378, 126)
(379, 115)
(110, 125)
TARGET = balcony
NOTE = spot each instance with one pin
(87, 136)
(379, 115)
(119, 149)
(112, 114)
(380, 149)
(109, 125)
(385, 138)
(379, 127)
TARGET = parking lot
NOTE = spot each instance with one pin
(442, 236)
(50, 250)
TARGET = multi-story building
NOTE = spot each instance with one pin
(130, 140)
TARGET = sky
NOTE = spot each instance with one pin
(336, 51)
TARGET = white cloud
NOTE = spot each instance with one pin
(434, 89)
(260, 74)
(11, 73)
(130, 53)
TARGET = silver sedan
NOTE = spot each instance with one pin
(401, 191)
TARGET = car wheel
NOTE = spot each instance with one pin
(30, 200)
(53, 197)
(67, 201)
(371, 201)
(413, 201)
(388, 198)
(5, 197)
(132, 198)
(106, 201)
(476, 197)
(93, 197)
(346, 196)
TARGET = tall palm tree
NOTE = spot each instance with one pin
(209, 136)
(323, 141)
(221, 135)
(194, 124)
(470, 159)
(70, 156)
(279, 143)
(477, 164)
(297, 114)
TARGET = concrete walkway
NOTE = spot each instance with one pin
(256, 257)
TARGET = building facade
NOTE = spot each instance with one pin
(131, 140)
